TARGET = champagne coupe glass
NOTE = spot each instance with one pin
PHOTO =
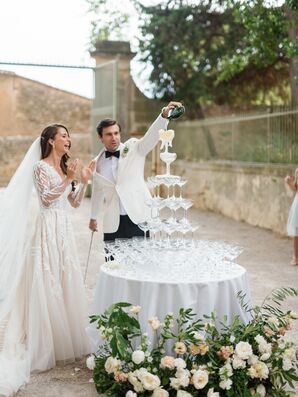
(169, 227)
(173, 204)
(181, 182)
(186, 204)
(184, 227)
(144, 226)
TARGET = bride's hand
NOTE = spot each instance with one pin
(71, 170)
(87, 172)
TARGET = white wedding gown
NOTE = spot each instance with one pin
(47, 323)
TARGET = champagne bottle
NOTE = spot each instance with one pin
(176, 112)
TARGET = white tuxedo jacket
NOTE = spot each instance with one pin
(130, 186)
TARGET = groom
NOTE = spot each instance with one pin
(119, 192)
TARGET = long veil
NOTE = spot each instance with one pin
(14, 217)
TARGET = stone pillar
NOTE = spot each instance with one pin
(113, 83)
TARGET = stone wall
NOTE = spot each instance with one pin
(13, 149)
(27, 106)
(253, 193)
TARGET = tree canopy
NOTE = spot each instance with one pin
(225, 52)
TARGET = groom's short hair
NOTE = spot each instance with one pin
(106, 123)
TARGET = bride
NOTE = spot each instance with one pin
(42, 298)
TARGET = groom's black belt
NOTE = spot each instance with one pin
(110, 154)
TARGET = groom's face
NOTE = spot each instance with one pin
(111, 137)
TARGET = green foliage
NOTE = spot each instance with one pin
(200, 345)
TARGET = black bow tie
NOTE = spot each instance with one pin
(109, 154)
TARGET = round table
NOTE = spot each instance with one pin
(209, 281)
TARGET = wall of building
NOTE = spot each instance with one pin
(253, 193)
(27, 106)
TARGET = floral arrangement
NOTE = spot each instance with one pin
(236, 360)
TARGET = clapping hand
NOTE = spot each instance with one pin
(71, 170)
(86, 172)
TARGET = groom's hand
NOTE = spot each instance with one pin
(171, 105)
(93, 225)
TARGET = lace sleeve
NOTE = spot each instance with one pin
(75, 197)
(47, 193)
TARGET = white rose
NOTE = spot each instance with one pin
(225, 384)
(160, 393)
(183, 393)
(293, 315)
(200, 379)
(259, 370)
(243, 350)
(226, 371)
(212, 393)
(90, 362)
(286, 364)
(261, 390)
(260, 339)
(154, 322)
(175, 383)
(237, 362)
(290, 353)
(135, 309)
(130, 394)
(138, 356)
(183, 375)
(265, 356)
(253, 360)
(132, 378)
(149, 381)
(180, 363)
(112, 365)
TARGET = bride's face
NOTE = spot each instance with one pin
(61, 142)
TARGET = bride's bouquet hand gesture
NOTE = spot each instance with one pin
(86, 172)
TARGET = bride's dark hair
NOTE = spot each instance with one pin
(49, 133)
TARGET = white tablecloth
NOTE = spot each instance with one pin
(167, 287)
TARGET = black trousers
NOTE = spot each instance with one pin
(126, 229)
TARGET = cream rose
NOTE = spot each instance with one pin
(167, 362)
(200, 379)
(149, 381)
(180, 348)
(112, 365)
(160, 393)
(154, 322)
(135, 309)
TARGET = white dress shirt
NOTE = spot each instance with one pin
(108, 168)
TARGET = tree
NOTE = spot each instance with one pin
(269, 41)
